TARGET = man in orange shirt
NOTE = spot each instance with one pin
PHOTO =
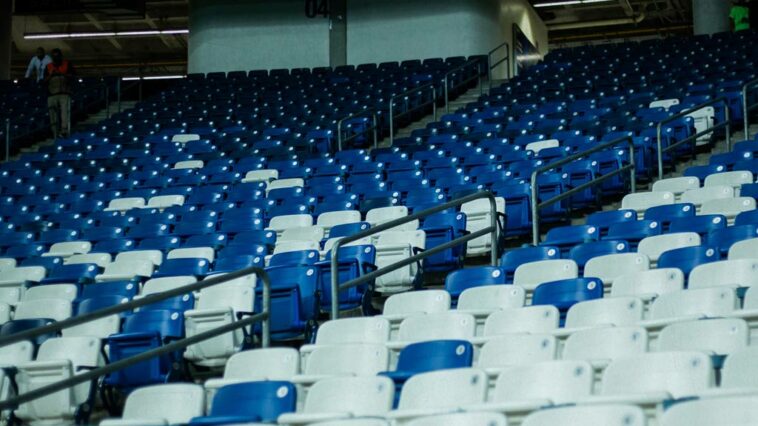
(58, 76)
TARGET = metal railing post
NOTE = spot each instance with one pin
(536, 205)
(434, 102)
(456, 69)
(118, 95)
(7, 139)
(693, 138)
(415, 90)
(375, 121)
(107, 101)
(492, 230)
(147, 300)
(491, 66)
(746, 108)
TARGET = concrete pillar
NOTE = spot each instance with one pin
(710, 16)
(6, 18)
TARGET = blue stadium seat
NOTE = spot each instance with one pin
(702, 224)
(142, 331)
(458, 281)
(512, 259)
(564, 294)
(429, 356)
(582, 253)
(723, 238)
(565, 237)
(184, 266)
(687, 258)
(441, 228)
(260, 402)
(633, 232)
(602, 220)
(665, 214)
(294, 303)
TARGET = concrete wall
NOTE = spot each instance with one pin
(228, 35)
(396, 30)
(710, 16)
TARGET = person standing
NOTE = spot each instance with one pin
(740, 16)
(37, 65)
(58, 76)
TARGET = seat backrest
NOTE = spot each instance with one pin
(444, 389)
(649, 283)
(435, 355)
(55, 309)
(739, 370)
(154, 256)
(458, 281)
(654, 246)
(457, 419)
(565, 293)
(746, 249)
(100, 259)
(417, 302)
(306, 233)
(51, 291)
(699, 196)
(736, 410)
(331, 219)
(261, 400)
(517, 349)
(532, 274)
(717, 336)
(677, 185)
(157, 285)
(263, 364)
(206, 253)
(529, 319)
(382, 215)
(491, 297)
(353, 359)
(67, 248)
(24, 273)
(174, 403)
(611, 266)
(615, 311)
(605, 343)
(681, 374)
(729, 207)
(16, 353)
(366, 396)
(642, 201)
(735, 179)
(711, 302)
(731, 273)
(354, 330)
(439, 325)
(580, 415)
(280, 223)
(558, 381)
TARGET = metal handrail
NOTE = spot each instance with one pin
(478, 77)
(747, 108)
(415, 90)
(491, 66)
(13, 403)
(153, 298)
(353, 115)
(659, 127)
(536, 205)
(492, 229)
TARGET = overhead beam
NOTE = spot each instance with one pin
(99, 26)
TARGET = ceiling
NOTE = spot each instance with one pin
(135, 55)
(167, 54)
(615, 19)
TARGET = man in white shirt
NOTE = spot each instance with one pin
(37, 65)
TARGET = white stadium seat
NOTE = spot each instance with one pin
(641, 201)
(719, 336)
(654, 246)
(606, 415)
(736, 411)
(342, 398)
(383, 215)
(124, 204)
(729, 207)
(393, 247)
(746, 249)
(676, 185)
(611, 266)
(161, 405)
(530, 275)
(733, 179)
(732, 273)
(162, 202)
(479, 216)
(648, 285)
